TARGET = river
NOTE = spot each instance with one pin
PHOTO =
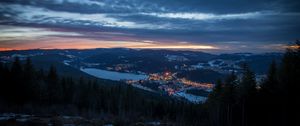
(113, 75)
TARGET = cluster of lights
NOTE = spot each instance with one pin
(195, 84)
(165, 76)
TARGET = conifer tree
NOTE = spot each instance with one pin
(270, 85)
(30, 84)
(247, 94)
(229, 98)
(289, 80)
(54, 88)
(16, 86)
(214, 103)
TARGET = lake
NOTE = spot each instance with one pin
(112, 75)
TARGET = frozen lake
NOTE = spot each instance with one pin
(112, 75)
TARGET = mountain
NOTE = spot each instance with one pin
(147, 61)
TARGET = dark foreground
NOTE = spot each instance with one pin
(11, 119)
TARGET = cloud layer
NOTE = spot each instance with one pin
(247, 23)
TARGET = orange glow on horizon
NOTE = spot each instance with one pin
(293, 47)
(178, 47)
(5, 49)
(71, 43)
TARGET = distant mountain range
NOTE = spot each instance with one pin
(195, 65)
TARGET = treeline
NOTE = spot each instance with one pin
(241, 101)
(23, 89)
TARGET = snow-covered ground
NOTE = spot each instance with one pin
(18, 117)
(142, 87)
(24, 120)
(216, 63)
(171, 58)
(113, 75)
(190, 97)
(67, 62)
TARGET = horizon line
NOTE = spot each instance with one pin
(169, 49)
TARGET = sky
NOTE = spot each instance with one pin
(205, 25)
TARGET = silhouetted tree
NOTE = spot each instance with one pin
(247, 94)
(290, 84)
(54, 87)
(229, 98)
(214, 104)
(4, 79)
(16, 86)
(270, 85)
(30, 84)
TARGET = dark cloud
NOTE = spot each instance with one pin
(193, 21)
(125, 6)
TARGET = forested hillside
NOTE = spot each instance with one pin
(274, 102)
(236, 101)
(27, 90)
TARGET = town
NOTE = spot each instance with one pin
(178, 87)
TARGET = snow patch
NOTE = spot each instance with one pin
(142, 87)
(191, 98)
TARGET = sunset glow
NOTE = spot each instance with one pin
(55, 43)
(76, 24)
(149, 62)
(201, 47)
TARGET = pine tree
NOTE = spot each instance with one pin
(247, 94)
(1, 69)
(268, 95)
(214, 103)
(247, 85)
(229, 97)
(16, 68)
(30, 85)
(4, 81)
(270, 85)
(289, 80)
(15, 91)
(54, 88)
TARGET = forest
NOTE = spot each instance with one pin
(27, 90)
(241, 101)
(234, 101)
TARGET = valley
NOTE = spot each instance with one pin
(172, 73)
